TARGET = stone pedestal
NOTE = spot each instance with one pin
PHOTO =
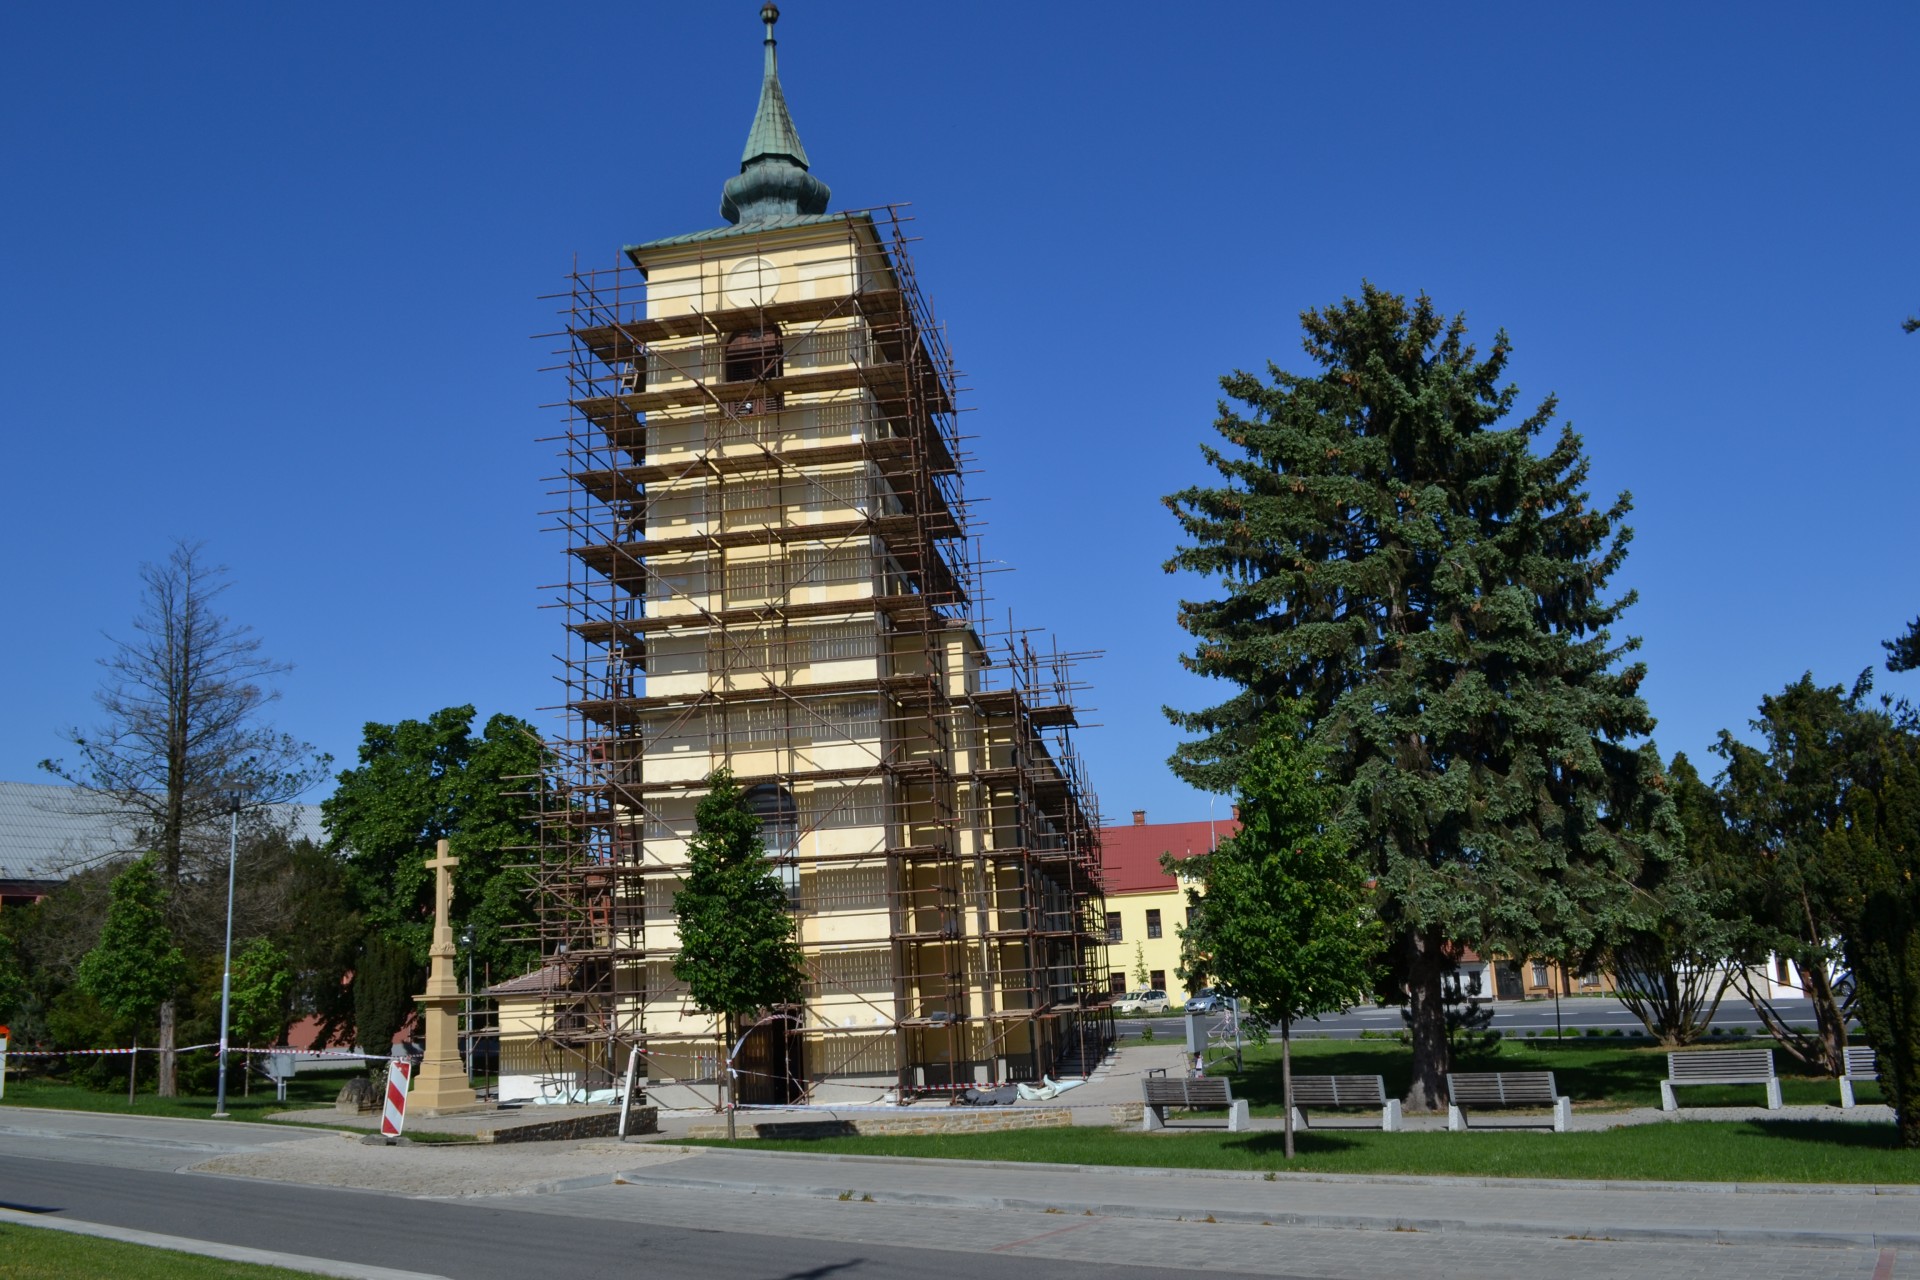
(440, 1086)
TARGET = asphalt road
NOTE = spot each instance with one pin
(1510, 1016)
(591, 1232)
(675, 1220)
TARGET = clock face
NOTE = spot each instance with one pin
(752, 283)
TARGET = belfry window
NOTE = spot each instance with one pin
(754, 355)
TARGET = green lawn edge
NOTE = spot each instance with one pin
(1782, 1151)
(1601, 1074)
(30, 1252)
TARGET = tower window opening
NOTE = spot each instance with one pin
(753, 355)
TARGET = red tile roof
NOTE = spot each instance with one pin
(1130, 855)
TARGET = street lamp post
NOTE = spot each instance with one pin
(466, 940)
(236, 798)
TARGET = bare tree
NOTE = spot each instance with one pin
(180, 728)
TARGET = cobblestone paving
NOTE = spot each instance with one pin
(341, 1160)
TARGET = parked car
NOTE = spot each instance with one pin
(1141, 1002)
(1210, 1001)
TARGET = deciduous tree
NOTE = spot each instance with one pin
(181, 708)
(1282, 915)
(739, 953)
(1393, 554)
(136, 967)
(421, 781)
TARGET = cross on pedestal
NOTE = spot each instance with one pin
(441, 1084)
(442, 865)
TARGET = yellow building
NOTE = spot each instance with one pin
(771, 571)
(1145, 906)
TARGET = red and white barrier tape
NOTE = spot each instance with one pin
(98, 1053)
(192, 1048)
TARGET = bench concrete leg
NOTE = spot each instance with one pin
(1390, 1117)
(1846, 1092)
(1299, 1118)
(1456, 1120)
(1151, 1118)
(1239, 1120)
(1667, 1102)
(1773, 1094)
(1562, 1114)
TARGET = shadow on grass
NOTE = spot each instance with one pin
(1862, 1135)
(1306, 1142)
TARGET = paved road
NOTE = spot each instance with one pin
(1513, 1017)
(781, 1218)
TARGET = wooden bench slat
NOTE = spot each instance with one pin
(1478, 1089)
(1502, 1088)
(1721, 1066)
(1339, 1091)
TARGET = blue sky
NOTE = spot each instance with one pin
(270, 274)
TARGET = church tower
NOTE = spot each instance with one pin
(770, 569)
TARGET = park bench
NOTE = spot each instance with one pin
(1158, 1092)
(1861, 1064)
(1345, 1091)
(1483, 1090)
(1720, 1066)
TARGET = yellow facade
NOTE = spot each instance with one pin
(1148, 938)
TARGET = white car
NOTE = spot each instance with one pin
(1141, 1002)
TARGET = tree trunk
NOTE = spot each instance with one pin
(169, 1081)
(133, 1065)
(1832, 1023)
(1286, 1077)
(1427, 1020)
(726, 1071)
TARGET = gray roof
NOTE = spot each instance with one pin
(47, 831)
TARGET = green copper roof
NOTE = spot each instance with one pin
(773, 133)
(745, 229)
(773, 181)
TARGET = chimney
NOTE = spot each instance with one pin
(1139, 817)
(1236, 813)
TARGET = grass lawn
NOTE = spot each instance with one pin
(1744, 1151)
(303, 1091)
(32, 1253)
(1596, 1072)
(1601, 1071)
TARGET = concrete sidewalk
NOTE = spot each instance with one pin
(1833, 1216)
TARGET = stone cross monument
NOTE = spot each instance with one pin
(441, 1086)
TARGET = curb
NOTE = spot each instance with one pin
(1281, 1175)
(1580, 1230)
(211, 1249)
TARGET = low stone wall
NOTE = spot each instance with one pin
(603, 1124)
(907, 1120)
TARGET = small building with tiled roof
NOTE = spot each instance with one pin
(1146, 905)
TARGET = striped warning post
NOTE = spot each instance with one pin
(393, 1116)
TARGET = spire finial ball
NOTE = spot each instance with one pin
(769, 13)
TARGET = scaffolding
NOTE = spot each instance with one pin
(771, 568)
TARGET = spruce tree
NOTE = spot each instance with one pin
(1876, 849)
(1393, 554)
(1783, 798)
